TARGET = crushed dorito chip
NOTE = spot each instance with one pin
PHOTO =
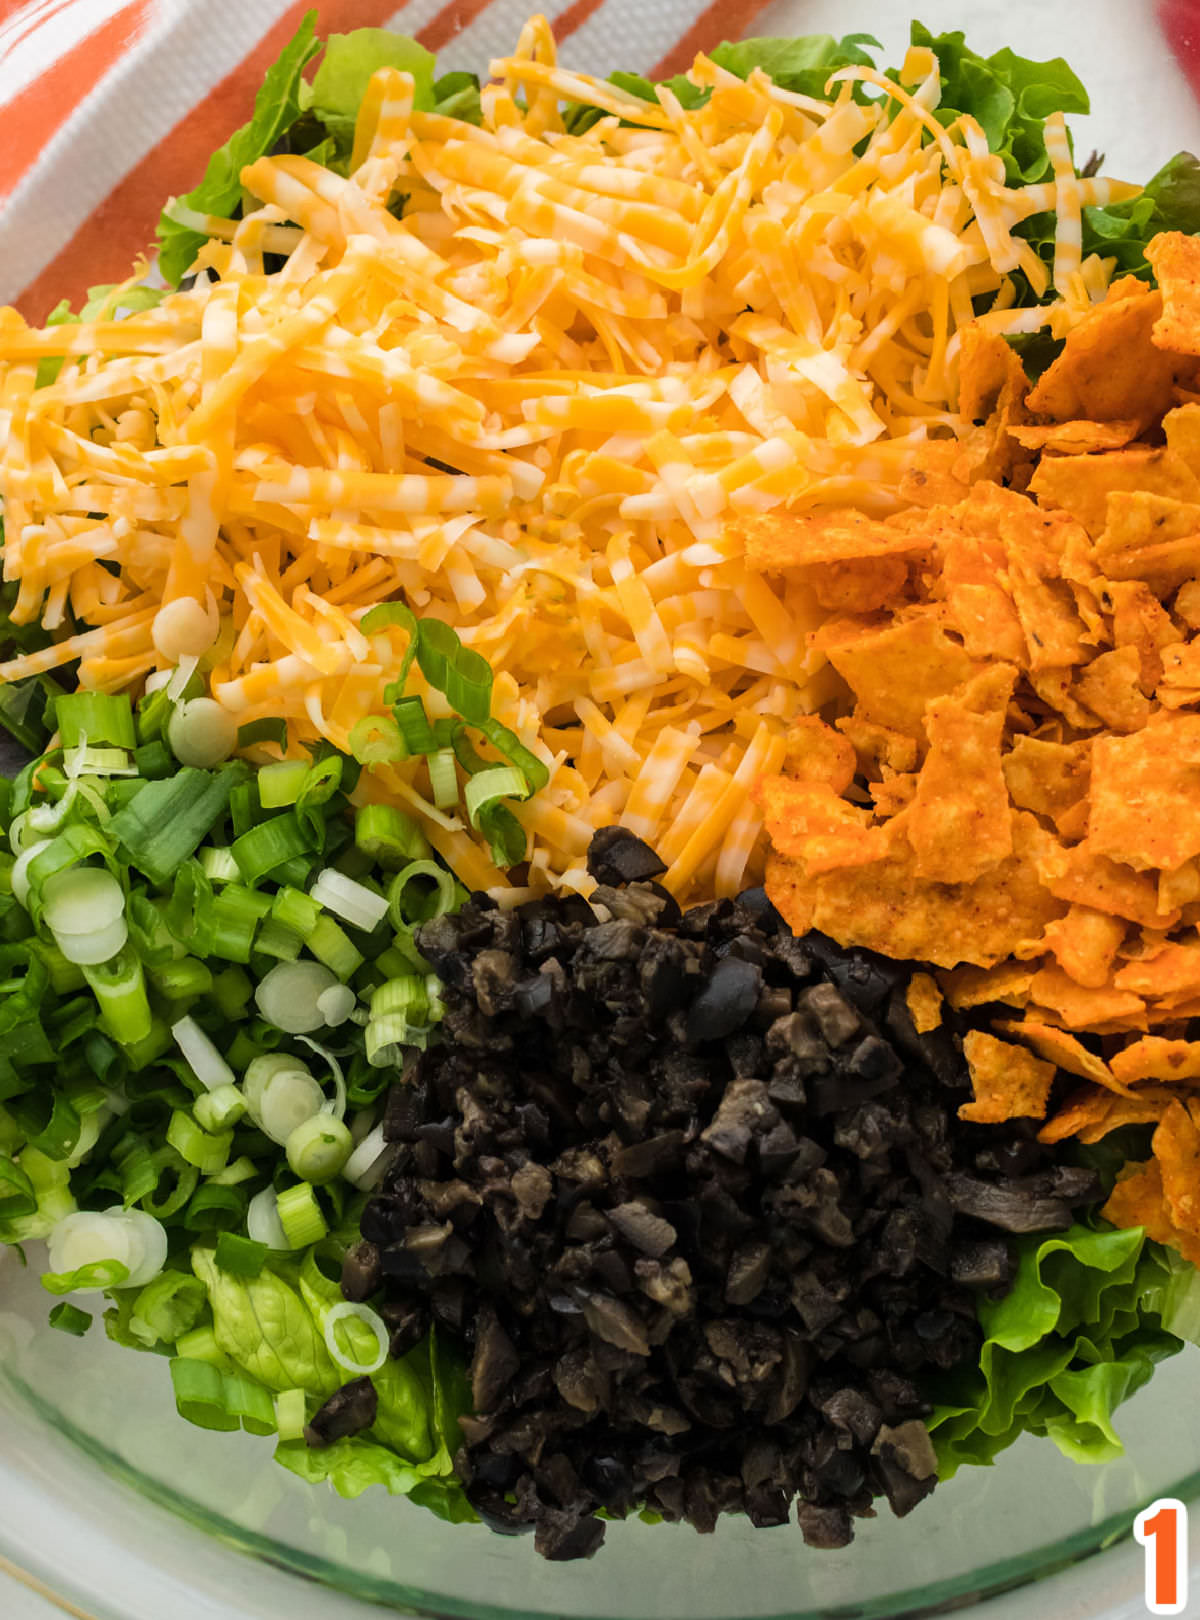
(1139, 1199)
(1110, 688)
(924, 1002)
(959, 823)
(1155, 1058)
(1085, 943)
(1109, 369)
(1176, 1149)
(808, 821)
(1171, 974)
(975, 987)
(894, 671)
(1078, 1007)
(1145, 795)
(1077, 438)
(780, 540)
(1086, 877)
(1175, 259)
(818, 753)
(1048, 778)
(1065, 1051)
(1084, 485)
(1009, 1082)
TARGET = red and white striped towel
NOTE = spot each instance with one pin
(107, 107)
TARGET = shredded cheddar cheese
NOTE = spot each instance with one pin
(530, 405)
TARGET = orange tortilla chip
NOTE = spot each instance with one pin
(1045, 777)
(1150, 534)
(1176, 1146)
(1109, 369)
(1008, 1081)
(1078, 438)
(778, 540)
(878, 746)
(1053, 687)
(1173, 972)
(991, 378)
(791, 891)
(1077, 1006)
(1138, 1199)
(1091, 1114)
(980, 605)
(1145, 796)
(1046, 611)
(1154, 1058)
(1083, 485)
(960, 822)
(893, 794)
(1063, 1050)
(888, 908)
(1175, 260)
(1181, 665)
(807, 821)
(818, 753)
(1085, 942)
(1179, 888)
(1110, 687)
(857, 584)
(1140, 620)
(976, 987)
(896, 669)
(924, 1002)
(1187, 604)
(1088, 878)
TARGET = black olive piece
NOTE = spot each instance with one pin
(495, 1361)
(725, 1002)
(827, 1527)
(562, 1535)
(616, 856)
(362, 1271)
(760, 908)
(988, 1264)
(348, 1411)
(1006, 1206)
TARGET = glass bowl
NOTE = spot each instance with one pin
(109, 1504)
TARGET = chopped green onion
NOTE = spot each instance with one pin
(387, 1038)
(404, 995)
(388, 837)
(318, 1148)
(376, 740)
(167, 1307)
(176, 1183)
(370, 1319)
(353, 902)
(215, 1208)
(154, 761)
(281, 783)
(336, 1004)
(119, 987)
(207, 1152)
(421, 904)
(273, 939)
(497, 782)
(58, 1137)
(219, 864)
(17, 1195)
(443, 778)
(263, 1223)
(70, 1319)
(287, 995)
(333, 947)
(240, 1256)
(289, 1099)
(415, 730)
(167, 821)
(296, 910)
(269, 844)
(263, 731)
(300, 1216)
(201, 1345)
(201, 732)
(462, 674)
(291, 1411)
(220, 1109)
(365, 1165)
(137, 1168)
(64, 976)
(506, 838)
(202, 1057)
(231, 991)
(182, 980)
(97, 717)
(382, 617)
(200, 1395)
(506, 742)
(232, 921)
(234, 1174)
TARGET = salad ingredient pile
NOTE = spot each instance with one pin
(696, 1192)
(1024, 806)
(607, 321)
(521, 502)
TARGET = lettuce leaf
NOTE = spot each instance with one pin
(276, 107)
(265, 1327)
(801, 65)
(1079, 1333)
(340, 82)
(1010, 96)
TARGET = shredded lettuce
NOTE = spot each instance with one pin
(276, 107)
(1080, 1331)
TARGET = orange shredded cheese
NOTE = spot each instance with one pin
(530, 406)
